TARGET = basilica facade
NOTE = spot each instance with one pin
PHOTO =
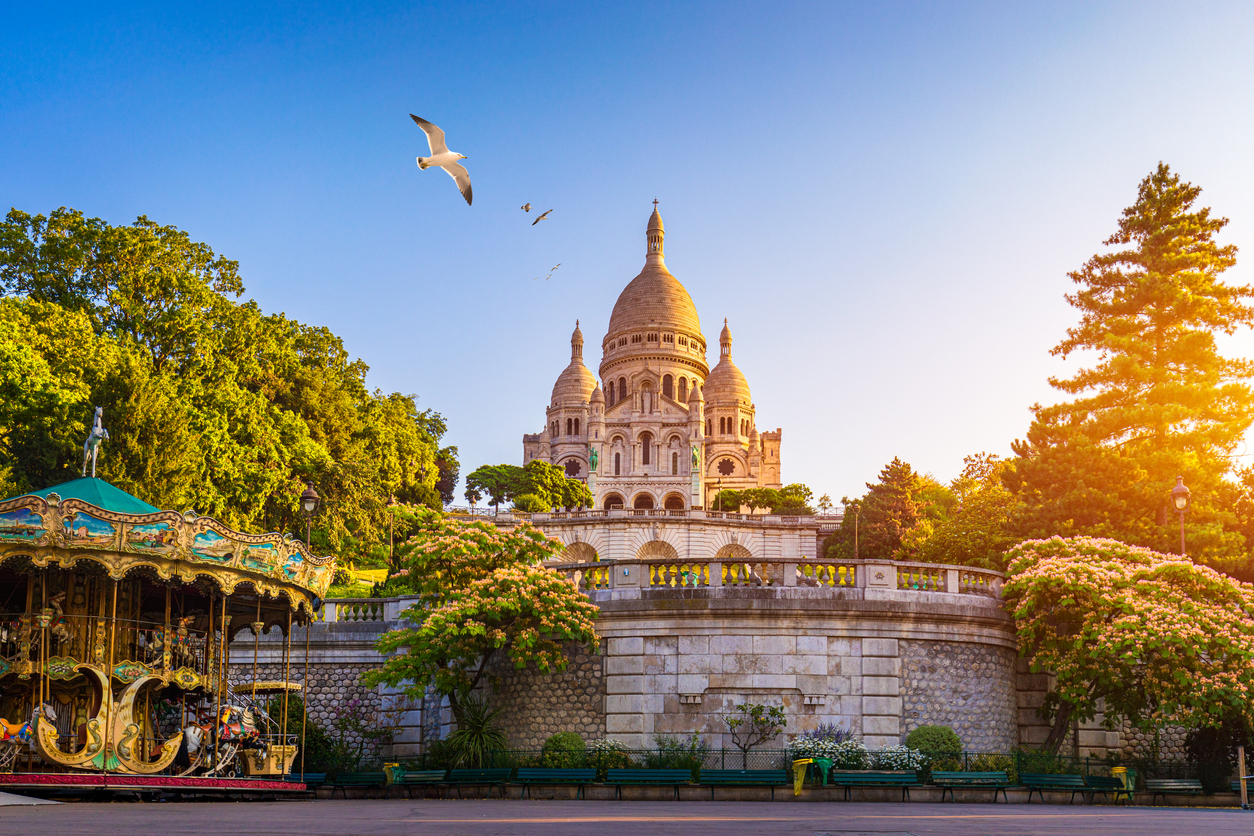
(660, 429)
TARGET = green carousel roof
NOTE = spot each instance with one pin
(99, 493)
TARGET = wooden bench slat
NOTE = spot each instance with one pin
(1038, 782)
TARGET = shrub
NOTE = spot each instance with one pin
(848, 754)
(477, 733)
(996, 763)
(604, 755)
(819, 742)
(898, 757)
(937, 741)
(564, 750)
(530, 503)
(678, 753)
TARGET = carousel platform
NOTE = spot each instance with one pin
(72, 783)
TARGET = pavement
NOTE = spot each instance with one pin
(609, 818)
(8, 799)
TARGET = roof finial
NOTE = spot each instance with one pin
(655, 203)
(655, 233)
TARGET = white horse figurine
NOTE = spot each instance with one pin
(91, 447)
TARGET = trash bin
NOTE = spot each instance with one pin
(1128, 776)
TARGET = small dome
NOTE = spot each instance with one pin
(726, 384)
(697, 395)
(597, 396)
(574, 385)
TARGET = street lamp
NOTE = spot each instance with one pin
(392, 504)
(1180, 499)
(309, 506)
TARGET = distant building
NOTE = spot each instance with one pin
(658, 408)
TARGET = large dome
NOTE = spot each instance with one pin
(655, 298)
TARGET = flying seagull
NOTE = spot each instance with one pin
(443, 158)
(550, 275)
(542, 217)
(526, 207)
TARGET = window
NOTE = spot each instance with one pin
(554, 432)
(727, 467)
(643, 502)
(635, 338)
(622, 341)
(610, 391)
(674, 464)
(722, 426)
(709, 426)
(652, 338)
(683, 389)
(576, 426)
(668, 338)
(572, 468)
(568, 427)
(668, 387)
(618, 464)
(673, 502)
(622, 388)
(646, 443)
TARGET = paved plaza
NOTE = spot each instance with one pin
(640, 818)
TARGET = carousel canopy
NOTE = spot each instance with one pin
(100, 493)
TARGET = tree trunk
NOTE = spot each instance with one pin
(1058, 732)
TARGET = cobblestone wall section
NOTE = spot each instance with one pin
(330, 687)
(537, 705)
(1137, 743)
(968, 687)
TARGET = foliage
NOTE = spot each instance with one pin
(792, 500)
(322, 754)
(604, 754)
(564, 750)
(1160, 400)
(678, 753)
(898, 757)
(849, 753)
(820, 742)
(996, 763)
(1155, 637)
(210, 403)
(934, 740)
(540, 486)
(1212, 751)
(976, 531)
(477, 733)
(893, 518)
(754, 724)
(480, 592)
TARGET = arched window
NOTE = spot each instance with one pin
(643, 502)
(673, 502)
(613, 500)
(618, 464)
(668, 386)
(709, 426)
(646, 443)
(683, 390)
(554, 434)
(622, 388)
(576, 426)
(568, 427)
(722, 426)
(674, 464)
(610, 391)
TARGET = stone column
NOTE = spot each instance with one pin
(881, 693)
(624, 691)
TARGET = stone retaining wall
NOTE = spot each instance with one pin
(538, 705)
(970, 688)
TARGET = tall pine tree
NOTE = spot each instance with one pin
(1160, 401)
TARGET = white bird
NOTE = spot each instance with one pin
(542, 217)
(443, 158)
(525, 207)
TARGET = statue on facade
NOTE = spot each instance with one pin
(91, 447)
(593, 458)
(696, 458)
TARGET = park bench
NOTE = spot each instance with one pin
(425, 778)
(950, 781)
(1037, 782)
(478, 778)
(1235, 785)
(1172, 786)
(647, 777)
(744, 778)
(311, 780)
(366, 780)
(576, 777)
(864, 779)
(1106, 786)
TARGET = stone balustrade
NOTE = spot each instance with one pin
(812, 573)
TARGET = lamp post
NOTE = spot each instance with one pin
(1180, 499)
(309, 506)
(392, 503)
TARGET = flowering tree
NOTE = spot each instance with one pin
(481, 592)
(1155, 636)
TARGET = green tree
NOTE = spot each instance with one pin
(888, 512)
(1160, 401)
(974, 530)
(481, 593)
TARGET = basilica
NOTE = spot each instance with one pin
(661, 430)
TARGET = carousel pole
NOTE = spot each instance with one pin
(304, 697)
(256, 645)
(108, 679)
(287, 677)
(217, 714)
(34, 697)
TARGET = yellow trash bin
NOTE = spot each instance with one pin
(799, 774)
(1128, 778)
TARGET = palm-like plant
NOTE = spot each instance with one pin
(477, 733)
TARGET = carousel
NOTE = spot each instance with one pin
(115, 623)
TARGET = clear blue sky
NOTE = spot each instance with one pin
(882, 198)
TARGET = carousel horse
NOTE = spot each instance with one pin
(16, 736)
(236, 729)
(60, 626)
(181, 654)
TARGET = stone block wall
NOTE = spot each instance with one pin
(537, 705)
(970, 688)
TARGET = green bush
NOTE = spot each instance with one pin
(530, 503)
(564, 750)
(996, 763)
(477, 734)
(678, 753)
(322, 753)
(604, 755)
(933, 740)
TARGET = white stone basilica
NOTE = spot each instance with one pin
(662, 430)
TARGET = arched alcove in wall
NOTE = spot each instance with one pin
(643, 502)
(657, 549)
(674, 502)
(612, 500)
(579, 553)
(733, 552)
